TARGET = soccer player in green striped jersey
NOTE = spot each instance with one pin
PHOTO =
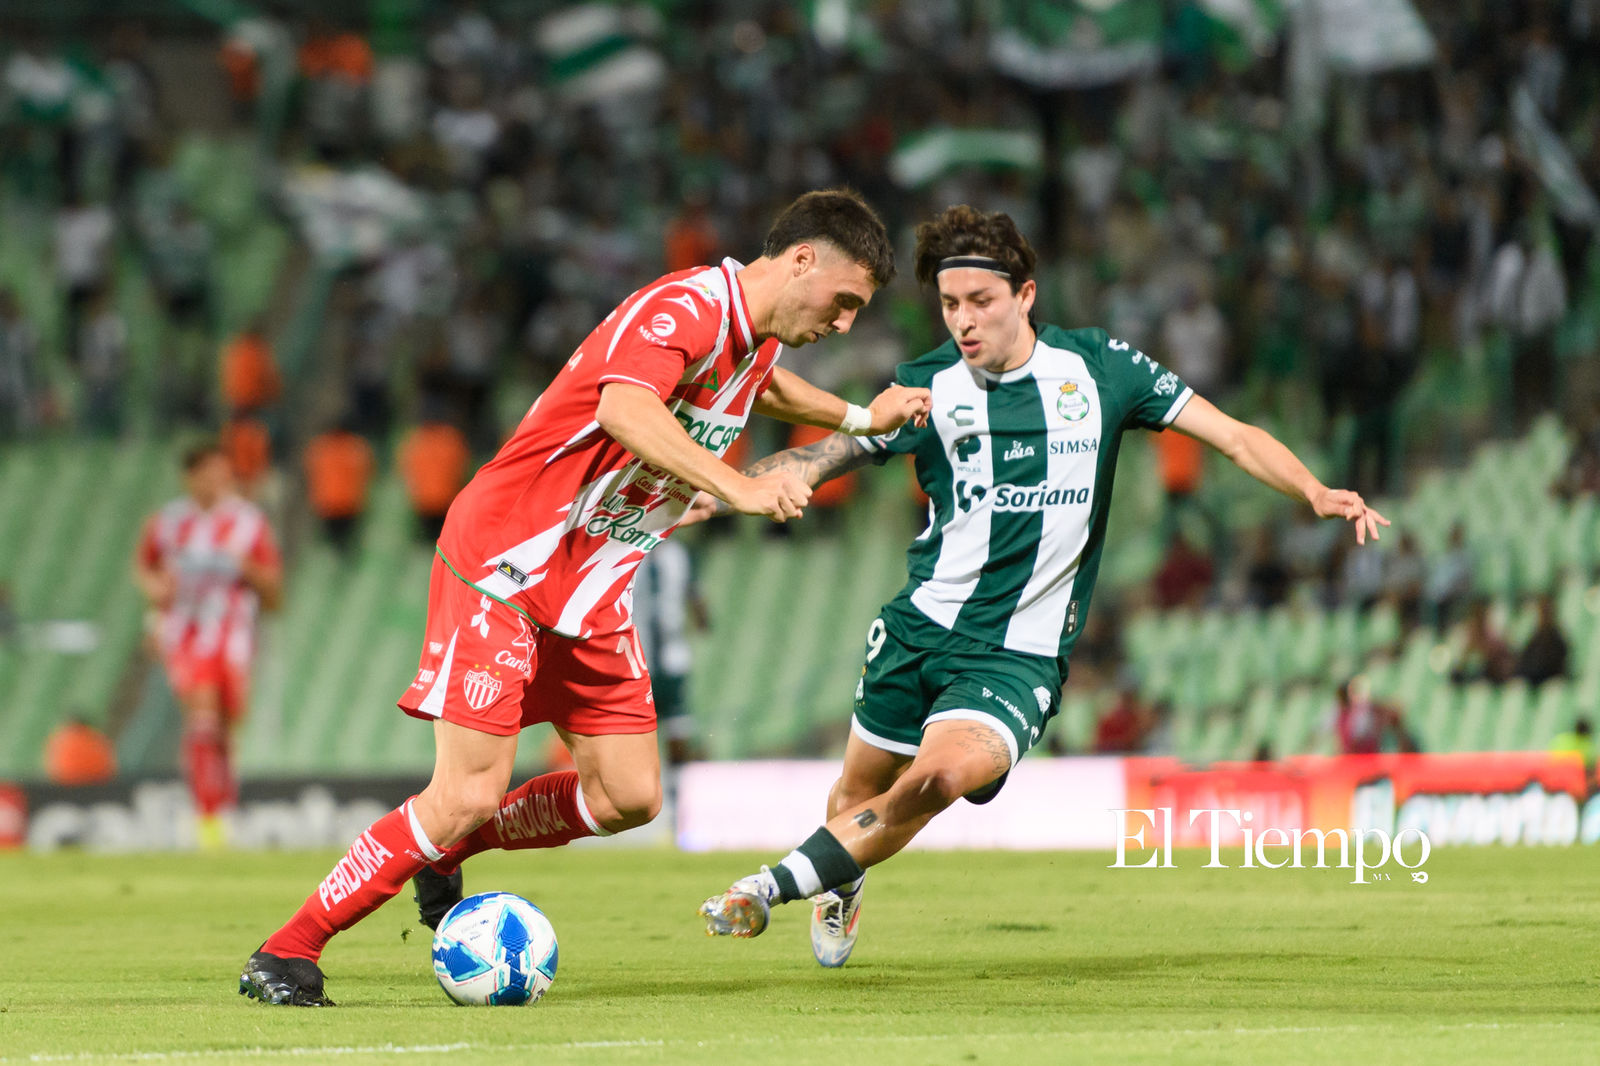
(964, 666)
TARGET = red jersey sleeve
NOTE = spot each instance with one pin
(662, 335)
(264, 551)
(149, 551)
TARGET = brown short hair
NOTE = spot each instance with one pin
(843, 219)
(964, 230)
(199, 452)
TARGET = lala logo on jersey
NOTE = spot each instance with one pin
(480, 687)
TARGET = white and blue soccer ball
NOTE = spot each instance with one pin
(495, 949)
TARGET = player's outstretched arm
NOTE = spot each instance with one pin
(1265, 458)
(636, 418)
(832, 456)
(791, 398)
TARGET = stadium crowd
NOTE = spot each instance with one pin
(1381, 260)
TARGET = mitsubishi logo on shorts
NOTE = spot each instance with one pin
(480, 687)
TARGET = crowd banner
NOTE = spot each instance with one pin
(1462, 798)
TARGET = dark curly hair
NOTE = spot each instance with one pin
(843, 219)
(964, 230)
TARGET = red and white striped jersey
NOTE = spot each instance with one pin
(214, 609)
(557, 522)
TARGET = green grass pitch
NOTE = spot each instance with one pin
(1011, 959)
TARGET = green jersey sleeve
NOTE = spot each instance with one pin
(1150, 396)
(918, 373)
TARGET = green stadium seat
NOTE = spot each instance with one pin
(1258, 719)
(1475, 717)
(1512, 719)
(1434, 725)
(1300, 718)
(1552, 714)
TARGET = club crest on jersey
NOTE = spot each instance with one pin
(480, 687)
(1073, 403)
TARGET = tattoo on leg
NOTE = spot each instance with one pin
(981, 739)
(865, 819)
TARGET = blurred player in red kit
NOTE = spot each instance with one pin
(208, 563)
(529, 607)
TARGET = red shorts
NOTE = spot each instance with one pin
(486, 667)
(190, 672)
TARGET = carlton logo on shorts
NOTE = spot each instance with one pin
(480, 688)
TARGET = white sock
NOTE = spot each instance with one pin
(764, 883)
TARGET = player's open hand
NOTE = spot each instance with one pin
(779, 497)
(1342, 503)
(898, 404)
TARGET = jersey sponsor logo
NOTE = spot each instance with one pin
(522, 666)
(1073, 403)
(1081, 446)
(961, 414)
(712, 434)
(968, 446)
(1019, 450)
(619, 524)
(354, 870)
(663, 325)
(1011, 708)
(969, 493)
(425, 677)
(1042, 697)
(480, 687)
(1166, 384)
(435, 647)
(1037, 497)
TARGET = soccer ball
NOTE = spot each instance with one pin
(495, 949)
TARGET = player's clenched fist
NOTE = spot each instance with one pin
(779, 497)
(898, 404)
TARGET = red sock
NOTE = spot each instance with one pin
(379, 863)
(208, 768)
(545, 812)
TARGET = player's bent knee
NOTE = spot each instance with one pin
(466, 805)
(625, 809)
(932, 788)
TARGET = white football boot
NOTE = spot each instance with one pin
(743, 909)
(833, 925)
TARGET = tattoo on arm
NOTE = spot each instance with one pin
(830, 457)
(865, 818)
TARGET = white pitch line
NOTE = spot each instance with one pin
(377, 1049)
(882, 1038)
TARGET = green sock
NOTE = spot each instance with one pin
(818, 864)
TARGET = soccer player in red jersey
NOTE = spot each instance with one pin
(529, 605)
(207, 562)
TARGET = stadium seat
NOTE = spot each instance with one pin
(1474, 718)
(1552, 714)
(1513, 718)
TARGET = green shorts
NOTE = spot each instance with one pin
(917, 672)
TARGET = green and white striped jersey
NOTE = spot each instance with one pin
(1018, 468)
